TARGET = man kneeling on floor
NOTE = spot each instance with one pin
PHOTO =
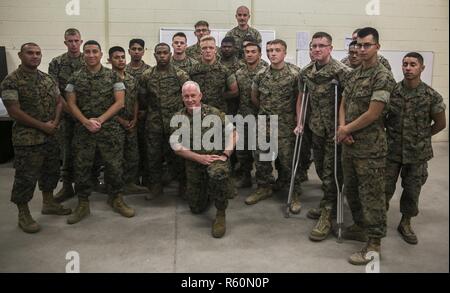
(207, 165)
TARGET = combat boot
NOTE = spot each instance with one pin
(121, 207)
(404, 228)
(219, 227)
(65, 192)
(314, 213)
(155, 190)
(26, 222)
(50, 207)
(295, 206)
(323, 226)
(355, 232)
(245, 181)
(361, 257)
(262, 192)
(81, 211)
(132, 188)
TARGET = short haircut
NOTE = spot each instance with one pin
(228, 40)
(320, 35)
(71, 31)
(140, 42)
(179, 34)
(353, 43)
(249, 38)
(364, 32)
(207, 38)
(278, 41)
(28, 44)
(191, 83)
(356, 31)
(201, 23)
(162, 45)
(415, 55)
(114, 49)
(249, 44)
(92, 42)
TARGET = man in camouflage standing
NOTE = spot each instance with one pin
(161, 86)
(244, 78)
(361, 129)
(136, 68)
(61, 68)
(201, 30)
(33, 100)
(318, 77)
(179, 58)
(207, 170)
(95, 95)
(412, 107)
(274, 91)
(242, 30)
(127, 117)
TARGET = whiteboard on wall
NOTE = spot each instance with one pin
(165, 36)
(394, 58)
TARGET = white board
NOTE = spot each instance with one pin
(165, 36)
(394, 57)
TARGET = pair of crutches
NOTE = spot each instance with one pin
(297, 149)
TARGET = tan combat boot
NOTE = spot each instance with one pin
(261, 193)
(26, 222)
(355, 232)
(363, 257)
(314, 213)
(219, 227)
(323, 227)
(155, 190)
(295, 206)
(65, 193)
(81, 211)
(121, 207)
(404, 228)
(50, 207)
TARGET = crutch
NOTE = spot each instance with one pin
(340, 201)
(297, 148)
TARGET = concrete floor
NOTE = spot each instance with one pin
(165, 237)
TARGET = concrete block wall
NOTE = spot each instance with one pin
(403, 24)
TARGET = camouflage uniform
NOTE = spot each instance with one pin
(36, 153)
(61, 68)
(205, 183)
(278, 90)
(141, 135)
(363, 162)
(408, 127)
(195, 52)
(94, 96)
(213, 80)
(239, 36)
(163, 93)
(185, 64)
(232, 65)
(381, 59)
(130, 148)
(322, 122)
(244, 78)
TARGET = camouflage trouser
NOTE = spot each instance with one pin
(142, 145)
(305, 152)
(108, 142)
(159, 150)
(68, 126)
(130, 157)
(205, 183)
(364, 189)
(264, 169)
(323, 149)
(413, 177)
(245, 156)
(35, 163)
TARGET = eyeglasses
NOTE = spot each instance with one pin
(366, 46)
(204, 30)
(320, 46)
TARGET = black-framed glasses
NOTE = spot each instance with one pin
(366, 46)
(320, 46)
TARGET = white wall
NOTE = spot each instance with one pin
(403, 24)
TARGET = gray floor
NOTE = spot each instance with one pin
(166, 237)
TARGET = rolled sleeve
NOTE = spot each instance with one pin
(119, 86)
(10, 95)
(70, 88)
(380, 96)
